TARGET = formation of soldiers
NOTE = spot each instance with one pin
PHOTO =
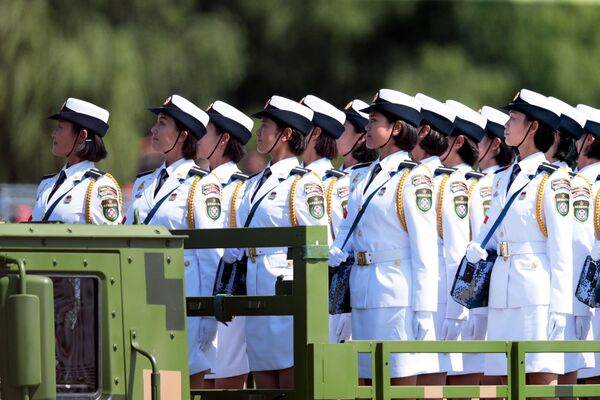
(403, 210)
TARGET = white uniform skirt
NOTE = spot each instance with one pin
(447, 361)
(521, 323)
(575, 361)
(199, 360)
(390, 323)
(472, 363)
(593, 369)
(231, 359)
(269, 339)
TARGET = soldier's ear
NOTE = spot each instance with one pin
(82, 135)
(496, 142)
(286, 135)
(424, 131)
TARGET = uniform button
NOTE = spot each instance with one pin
(187, 263)
(359, 232)
(290, 263)
(501, 234)
(397, 262)
(535, 264)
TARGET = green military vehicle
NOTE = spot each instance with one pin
(99, 312)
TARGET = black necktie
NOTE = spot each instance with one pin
(515, 171)
(161, 180)
(61, 179)
(376, 170)
(263, 179)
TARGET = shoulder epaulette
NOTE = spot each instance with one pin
(500, 170)
(573, 174)
(49, 175)
(408, 164)
(598, 178)
(444, 170)
(299, 171)
(335, 172)
(239, 176)
(95, 173)
(197, 171)
(545, 167)
(360, 165)
(474, 175)
(145, 173)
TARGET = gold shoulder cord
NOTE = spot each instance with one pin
(88, 201)
(400, 198)
(538, 205)
(329, 195)
(293, 217)
(470, 193)
(440, 204)
(233, 205)
(190, 203)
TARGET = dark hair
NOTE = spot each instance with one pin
(566, 150)
(189, 145)
(594, 150)
(505, 155)
(234, 149)
(326, 147)
(296, 144)
(407, 138)
(93, 147)
(543, 137)
(469, 152)
(434, 143)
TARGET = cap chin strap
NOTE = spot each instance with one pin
(354, 145)
(390, 138)
(74, 144)
(486, 152)
(449, 150)
(277, 141)
(174, 144)
(579, 150)
(526, 134)
(215, 149)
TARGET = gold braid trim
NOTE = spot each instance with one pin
(597, 215)
(470, 193)
(112, 178)
(400, 198)
(329, 194)
(440, 204)
(233, 205)
(190, 203)
(538, 205)
(293, 216)
(88, 201)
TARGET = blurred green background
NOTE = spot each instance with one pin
(129, 55)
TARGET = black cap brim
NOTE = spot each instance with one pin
(494, 129)
(592, 127)
(235, 129)
(287, 118)
(399, 111)
(469, 129)
(357, 120)
(192, 124)
(90, 123)
(570, 127)
(437, 122)
(331, 126)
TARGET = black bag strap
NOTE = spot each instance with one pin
(364, 207)
(257, 203)
(159, 203)
(49, 211)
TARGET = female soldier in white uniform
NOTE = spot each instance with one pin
(79, 193)
(223, 147)
(586, 232)
(494, 155)
(321, 148)
(164, 196)
(531, 283)
(433, 142)
(352, 144)
(282, 195)
(462, 154)
(394, 276)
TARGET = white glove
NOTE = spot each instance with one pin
(422, 323)
(451, 328)
(475, 253)
(596, 250)
(477, 327)
(582, 326)
(556, 325)
(207, 332)
(343, 329)
(337, 256)
(232, 254)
